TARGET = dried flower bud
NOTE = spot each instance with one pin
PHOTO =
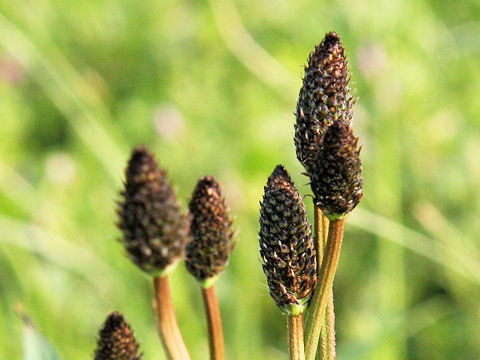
(337, 172)
(211, 229)
(286, 246)
(116, 340)
(155, 231)
(324, 97)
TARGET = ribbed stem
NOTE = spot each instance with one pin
(214, 320)
(323, 288)
(321, 232)
(330, 329)
(166, 321)
(327, 332)
(295, 337)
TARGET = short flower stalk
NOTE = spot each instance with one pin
(214, 323)
(155, 234)
(208, 253)
(288, 253)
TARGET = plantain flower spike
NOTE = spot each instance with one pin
(211, 230)
(323, 99)
(337, 172)
(116, 340)
(287, 248)
(155, 231)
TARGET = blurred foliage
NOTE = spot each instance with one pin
(211, 87)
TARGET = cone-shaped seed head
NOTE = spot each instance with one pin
(286, 246)
(211, 230)
(116, 340)
(324, 97)
(155, 231)
(337, 172)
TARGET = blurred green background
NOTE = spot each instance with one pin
(211, 87)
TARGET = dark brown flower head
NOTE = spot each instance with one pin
(324, 97)
(116, 340)
(337, 172)
(286, 246)
(155, 231)
(211, 230)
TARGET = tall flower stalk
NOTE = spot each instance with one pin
(327, 334)
(155, 234)
(287, 252)
(208, 253)
(337, 187)
(324, 101)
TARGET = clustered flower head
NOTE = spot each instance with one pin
(116, 340)
(287, 248)
(323, 99)
(155, 231)
(337, 172)
(211, 229)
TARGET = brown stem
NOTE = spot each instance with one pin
(322, 354)
(295, 337)
(166, 321)
(325, 225)
(322, 291)
(215, 333)
(321, 232)
(330, 328)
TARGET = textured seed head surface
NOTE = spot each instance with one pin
(337, 172)
(324, 98)
(116, 340)
(287, 249)
(155, 231)
(211, 230)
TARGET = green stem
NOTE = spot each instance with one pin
(321, 232)
(295, 337)
(327, 332)
(323, 289)
(214, 320)
(166, 320)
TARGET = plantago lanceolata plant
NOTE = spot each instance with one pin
(337, 187)
(155, 234)
(208, 253)
(324, 109)
(287, 252)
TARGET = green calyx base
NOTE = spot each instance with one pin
(333, 217)
(295, 309)
(163, 272)
(206, 283)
